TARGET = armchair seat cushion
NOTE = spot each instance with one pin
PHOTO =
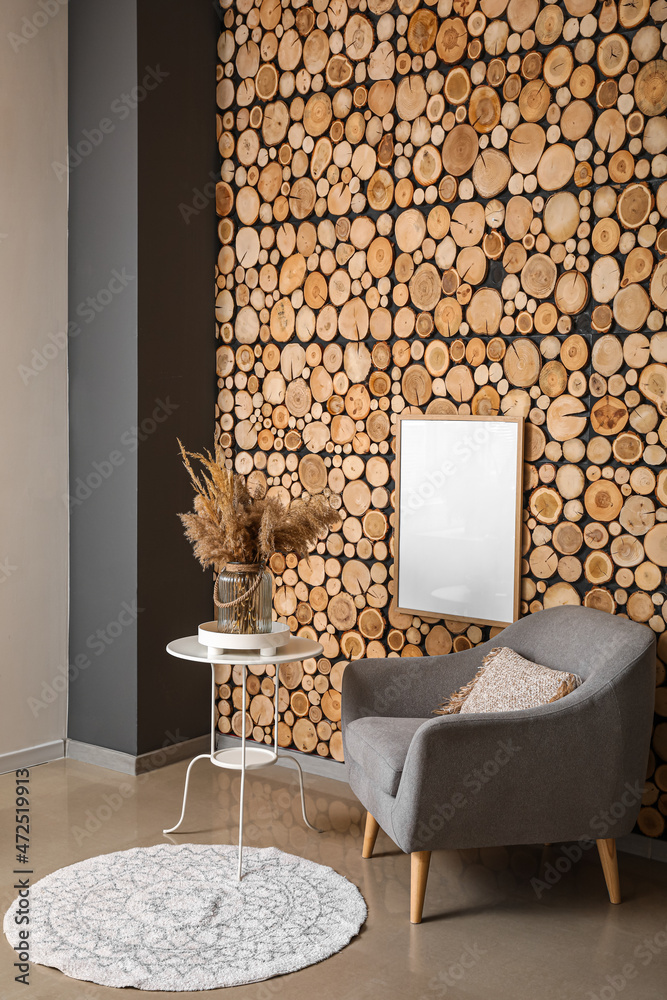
(379, 746)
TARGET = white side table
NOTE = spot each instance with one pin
(243, 758)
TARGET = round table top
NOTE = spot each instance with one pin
(190, 648)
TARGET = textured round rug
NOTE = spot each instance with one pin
(176, 917)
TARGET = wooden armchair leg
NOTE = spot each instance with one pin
(607, 851)
(419, 862)
(370, 835)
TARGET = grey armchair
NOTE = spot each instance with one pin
(570, 770)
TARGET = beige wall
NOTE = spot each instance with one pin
(33, 404)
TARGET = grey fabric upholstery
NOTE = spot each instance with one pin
(571, 769)
(381, 747)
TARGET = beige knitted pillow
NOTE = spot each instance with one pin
(506, 681)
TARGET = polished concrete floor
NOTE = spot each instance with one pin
(490, 931)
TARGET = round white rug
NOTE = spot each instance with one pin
(176, 917)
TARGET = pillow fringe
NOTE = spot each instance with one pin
(454, 703)
(567, 686)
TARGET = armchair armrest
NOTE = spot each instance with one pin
(545, 774)
(409, 687)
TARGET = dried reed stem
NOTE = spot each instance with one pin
(231, 524)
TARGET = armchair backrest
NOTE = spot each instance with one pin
(615, 658)
(593, 644)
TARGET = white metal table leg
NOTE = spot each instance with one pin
(275, 710)
(212, 710)
(210, 756)
(201, 756)
(287, 756)
(243, 709)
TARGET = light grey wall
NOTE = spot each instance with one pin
(33, 384)
(103, 130)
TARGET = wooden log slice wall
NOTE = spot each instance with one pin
(439, 208)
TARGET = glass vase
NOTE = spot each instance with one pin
(251, 611)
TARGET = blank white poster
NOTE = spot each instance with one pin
(459, 499)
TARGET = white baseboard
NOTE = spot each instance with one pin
(31, 756)
(312, 763)
(127, 763)
(644, 847)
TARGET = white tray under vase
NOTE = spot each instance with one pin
(220, 643)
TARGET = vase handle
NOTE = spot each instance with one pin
(242, 597)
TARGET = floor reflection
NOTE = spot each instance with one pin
(496, 924)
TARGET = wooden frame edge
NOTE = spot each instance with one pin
(520, 422)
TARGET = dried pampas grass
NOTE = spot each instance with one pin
(230, 524)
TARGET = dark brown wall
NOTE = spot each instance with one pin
(140, 372)
(177, 253)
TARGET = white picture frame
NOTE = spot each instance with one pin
(458, 517)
